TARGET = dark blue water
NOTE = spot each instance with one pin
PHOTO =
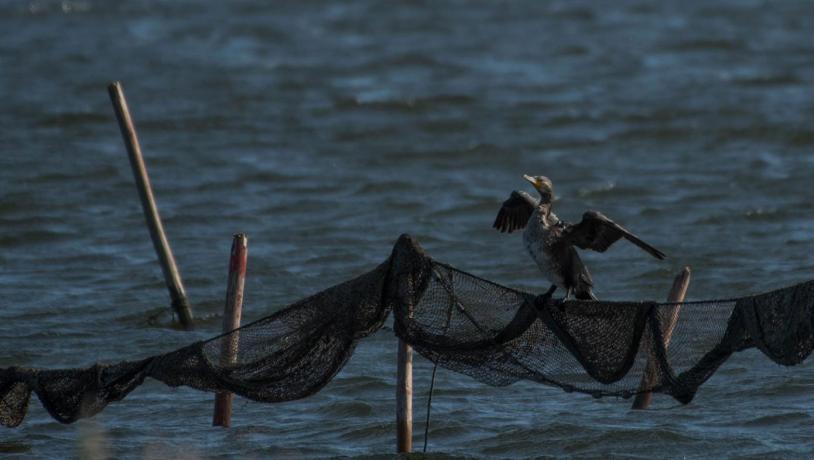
(323, 131)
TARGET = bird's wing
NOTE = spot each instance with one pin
(515, 212)
(597, 232)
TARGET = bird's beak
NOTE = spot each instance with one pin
(531, 179)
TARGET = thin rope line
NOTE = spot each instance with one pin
(429, 404)
(435, 361)
(522, 292)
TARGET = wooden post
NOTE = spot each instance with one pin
(172, 276)
(677, 293)
(231, 321)
(404, 399)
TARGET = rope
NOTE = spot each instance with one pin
(429, 405)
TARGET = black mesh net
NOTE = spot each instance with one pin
(492, 333)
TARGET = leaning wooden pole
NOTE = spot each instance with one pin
(172, 276)
(231, 321)
(677, 294)
(404, 399)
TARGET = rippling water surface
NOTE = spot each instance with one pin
(324, 130)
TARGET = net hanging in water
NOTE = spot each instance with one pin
(467, 324)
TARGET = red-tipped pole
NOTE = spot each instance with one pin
(231, 321)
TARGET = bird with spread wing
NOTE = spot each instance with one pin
(551, 241)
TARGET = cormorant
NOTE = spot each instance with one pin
(551, 241)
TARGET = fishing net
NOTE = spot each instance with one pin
(492, 333)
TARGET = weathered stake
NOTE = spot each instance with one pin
(677, 294)
(172, 276)
(231, 321)
(404, 399)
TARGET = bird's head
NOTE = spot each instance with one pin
(543, 185)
